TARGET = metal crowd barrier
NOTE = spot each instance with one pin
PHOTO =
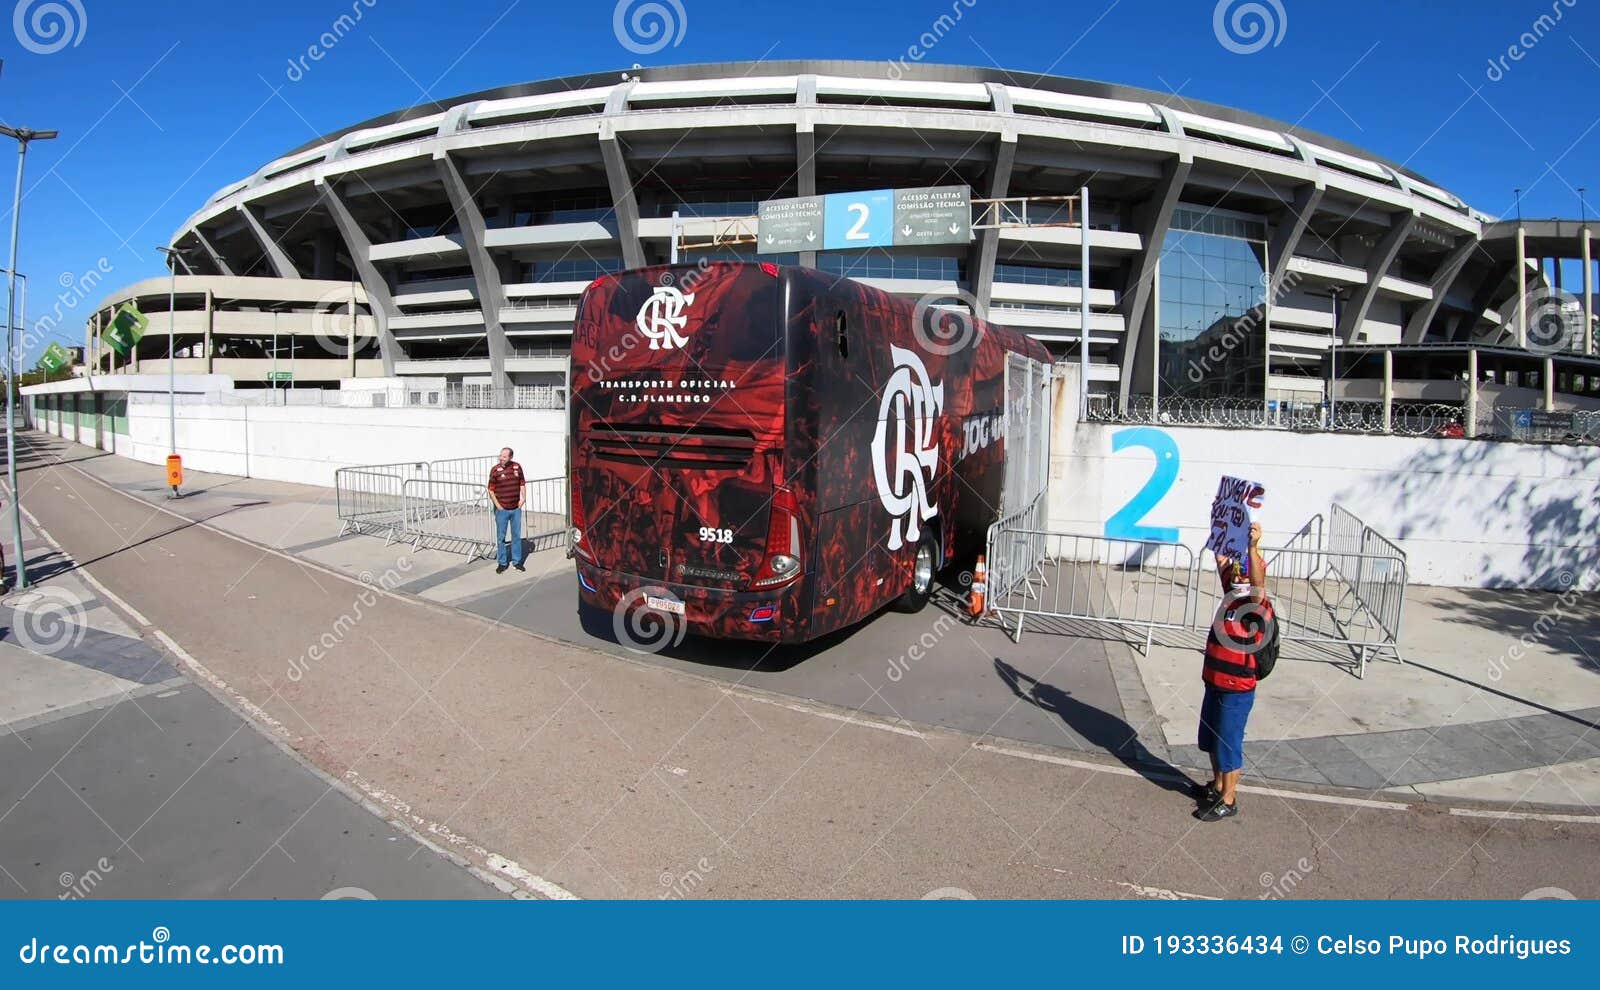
(1334, 584)
(444, 505)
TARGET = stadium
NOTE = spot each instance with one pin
(444, 247)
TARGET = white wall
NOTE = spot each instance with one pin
(305, 444)
(1467, 513)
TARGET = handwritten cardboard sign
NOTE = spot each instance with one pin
(1232, 511)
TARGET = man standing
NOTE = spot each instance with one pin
(506, 494)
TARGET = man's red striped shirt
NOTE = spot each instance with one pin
(505, 480)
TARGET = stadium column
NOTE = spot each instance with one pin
(1286, 238)
(491, 294)
(1488, 289)
(1151, 219)
(624, 204)
(217, 260)
(805, 148)
(997, 184)
(275, 253)
(1588, 290)
(211, 316)
(1378, 263)
(356, 244)
(1443, 277)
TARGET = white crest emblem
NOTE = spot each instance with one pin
(905, 449)
(662, 317)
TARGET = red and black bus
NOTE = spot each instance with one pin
(775, 453)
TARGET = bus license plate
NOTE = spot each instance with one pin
(664, 605)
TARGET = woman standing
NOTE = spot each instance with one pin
(1238, 633)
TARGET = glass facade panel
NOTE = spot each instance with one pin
(1211, 297)
(878, 264)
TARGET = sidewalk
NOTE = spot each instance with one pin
(1474, 713)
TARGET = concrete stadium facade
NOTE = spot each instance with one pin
(452, 240)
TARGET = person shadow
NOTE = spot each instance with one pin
(1099, 728)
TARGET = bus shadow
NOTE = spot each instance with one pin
(767, 658)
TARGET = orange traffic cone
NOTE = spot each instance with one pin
(980, 587)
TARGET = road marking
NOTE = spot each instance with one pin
(1526, 816)
(263, 719)
(1065, 761)
(1153, 893)
(1337, 799)
(865, 723)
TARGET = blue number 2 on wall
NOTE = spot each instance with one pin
(1125, 524)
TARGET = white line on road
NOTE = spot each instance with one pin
(1525, 816)
(865, 723)
(1064, 761)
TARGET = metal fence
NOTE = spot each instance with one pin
(444, 505)
(406, 397)
(1337, 588)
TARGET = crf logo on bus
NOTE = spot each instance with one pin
(662, 316)
(903, 465)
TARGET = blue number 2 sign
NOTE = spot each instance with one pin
(1125, 524)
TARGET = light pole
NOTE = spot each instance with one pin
(1333, 356)
(174, 462)
(22, 135)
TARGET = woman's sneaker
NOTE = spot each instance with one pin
(1205, 795)
(1217, 812)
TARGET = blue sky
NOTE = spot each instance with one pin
(159, 104)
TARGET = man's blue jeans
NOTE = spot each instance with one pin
(505, 519)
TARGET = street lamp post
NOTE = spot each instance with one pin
(174, 462)
(1333, 357)
(22, 135)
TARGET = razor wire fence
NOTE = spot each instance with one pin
(1406, 418)
(444, 505)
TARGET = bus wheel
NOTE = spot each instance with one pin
(922, 568)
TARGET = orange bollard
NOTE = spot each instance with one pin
(174, 472)
(980, 587)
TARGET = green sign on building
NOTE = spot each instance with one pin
(125, 329)
(54, 358)
(280, 376)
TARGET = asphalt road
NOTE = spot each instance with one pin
(559, 765)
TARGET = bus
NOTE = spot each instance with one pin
(774, 453)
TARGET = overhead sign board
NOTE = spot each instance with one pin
(54, 358)
(125, 329)
(935, 215)
(874, 218)
(785, 225)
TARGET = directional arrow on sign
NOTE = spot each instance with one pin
(906, 230)
(955, 228)
(811, 235)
